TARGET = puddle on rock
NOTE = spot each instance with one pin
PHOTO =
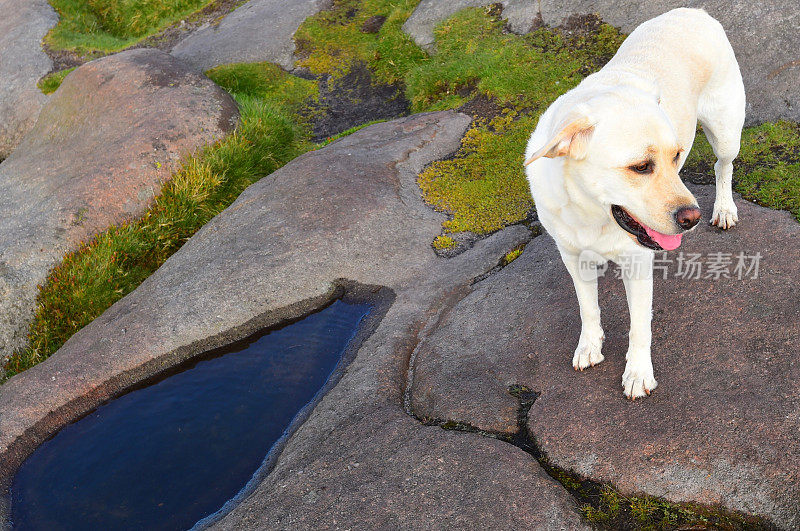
(169, 454)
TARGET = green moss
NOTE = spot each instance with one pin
(110, 25)
(483, 187)
(331, 42)
(511, 256)
(91, 279)
(50, 83)
(266, 81)
(767, 170)
(476, 56)
(606, 508)
(443, 242)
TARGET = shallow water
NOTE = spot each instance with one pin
(167, 455)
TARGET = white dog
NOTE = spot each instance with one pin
(603, 166)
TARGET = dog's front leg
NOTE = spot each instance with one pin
(590, 344)
(638, 380)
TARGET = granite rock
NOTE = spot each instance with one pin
(101, 148)
(722, 426)
(22, 63)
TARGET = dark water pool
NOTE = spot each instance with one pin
(167, 455)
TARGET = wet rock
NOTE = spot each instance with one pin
(260, 30)
(22, 63)
(722, 426)
(352, 100)
(521, 16)
(352, 210)
(97, 156)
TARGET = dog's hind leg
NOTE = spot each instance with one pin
(721, 113)
(590, 344)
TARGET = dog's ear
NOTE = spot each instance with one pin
(572, 141)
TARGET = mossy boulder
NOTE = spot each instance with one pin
(97, 156)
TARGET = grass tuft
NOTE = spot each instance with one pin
(99, 273)
(50, 83)
(86, 26)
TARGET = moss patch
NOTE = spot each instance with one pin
(50, 83)
(111, 25)
(333, 41)
(92, 278)
(512, 255)
(606, 508)
(483, 187)
(767, 170)
(443, 242)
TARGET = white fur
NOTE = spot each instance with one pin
(672, 71)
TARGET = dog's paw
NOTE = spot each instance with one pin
(725, 214)
(588, 353)
(638, 381)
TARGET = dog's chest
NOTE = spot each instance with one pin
(576, 230)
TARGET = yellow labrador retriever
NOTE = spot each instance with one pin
(603, 166)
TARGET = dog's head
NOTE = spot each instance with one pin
(622, 151)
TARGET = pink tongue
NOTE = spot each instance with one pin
(667, 241)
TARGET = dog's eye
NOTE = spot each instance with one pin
(677, 157)
(642, 167)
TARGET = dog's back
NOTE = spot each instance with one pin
(687, 55)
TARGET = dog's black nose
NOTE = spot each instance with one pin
(687, 217)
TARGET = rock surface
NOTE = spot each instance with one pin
(723, 425)
(102, 146)
(398, 474)
(22, 63)
(764, 37)
(260, 30)
(351, 210)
